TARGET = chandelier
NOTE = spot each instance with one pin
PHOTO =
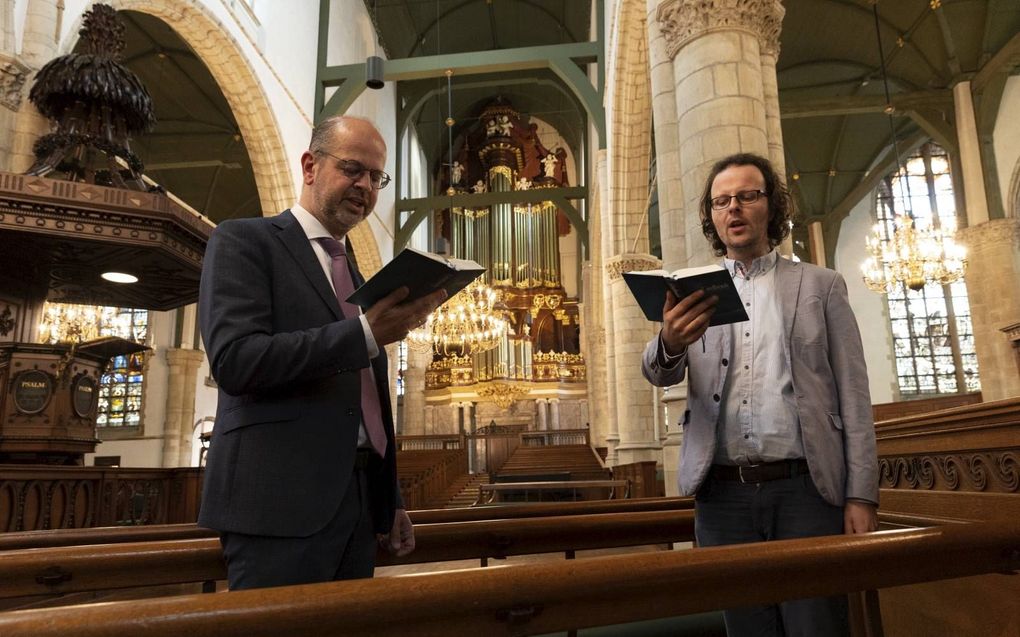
(67, 323)
(913, 256)
(468, 323)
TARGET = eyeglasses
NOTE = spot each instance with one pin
(744, 196)
(353, 170)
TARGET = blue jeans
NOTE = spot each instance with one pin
(729, 512)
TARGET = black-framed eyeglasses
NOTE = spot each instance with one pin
(353, 170)
(744, 196)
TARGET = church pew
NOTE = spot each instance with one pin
(118, 534)
(536, 599)
(74, 569)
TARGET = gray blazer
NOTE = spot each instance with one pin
(288, 365)
(823, 350)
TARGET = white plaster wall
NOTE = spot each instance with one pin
(1007, 144)
(868, 306)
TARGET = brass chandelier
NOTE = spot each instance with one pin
(468, 323)
(913, 255)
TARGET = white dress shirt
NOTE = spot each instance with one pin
(314, 230)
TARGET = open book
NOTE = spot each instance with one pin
(649, 288)
(422, 272)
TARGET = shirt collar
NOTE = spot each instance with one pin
(761, 265)
(313, 227)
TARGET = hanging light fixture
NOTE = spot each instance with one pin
(471, 321)
(68, 323)
(468, 323)
(913, 255)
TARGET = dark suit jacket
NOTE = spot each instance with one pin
(288, 366)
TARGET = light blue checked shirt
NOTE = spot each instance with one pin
(757, 417)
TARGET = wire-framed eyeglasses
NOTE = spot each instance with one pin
(353, 170)
(744, 196)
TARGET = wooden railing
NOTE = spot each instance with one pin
(43, 497)
(117, 535)
(569, 490)
(75, 569)
(430, 442)
(556, 437)
(903, 408)
(548, 597)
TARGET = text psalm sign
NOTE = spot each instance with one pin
(32, 391)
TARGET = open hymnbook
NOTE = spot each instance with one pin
(422, 272)
(649, 288)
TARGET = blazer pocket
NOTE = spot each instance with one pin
(255, 414)
(836, 421)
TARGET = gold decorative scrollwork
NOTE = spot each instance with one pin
(503, 395)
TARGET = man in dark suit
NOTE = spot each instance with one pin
(301, 476)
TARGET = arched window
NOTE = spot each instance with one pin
(933, 337)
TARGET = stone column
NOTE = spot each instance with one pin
(993, 278)
(414, 392)
(182, 376)
(633, 394)
(472, 444)
(672, 231)
(720, 85)
(542, 414)
(554, 414)
(816, 243)
(455, 427)
(970, 155)
(600, 372)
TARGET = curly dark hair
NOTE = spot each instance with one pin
(779, 201)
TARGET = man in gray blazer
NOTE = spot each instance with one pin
(301, 475)
(778, 438)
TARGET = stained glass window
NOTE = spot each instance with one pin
(933, 338)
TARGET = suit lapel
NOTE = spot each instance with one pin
(297, 244)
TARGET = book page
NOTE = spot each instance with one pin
(686, 272)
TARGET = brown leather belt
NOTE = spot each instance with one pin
(764, 472)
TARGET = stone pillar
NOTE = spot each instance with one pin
(716, 47)
(970, 155)
(542, 414)
(816, 243)
(182, 376)
(672, 231)
(993, 278)
(472, 444)
(413, 412)
(455, 427)
(634, 394)
(554, 414)
(600, 372)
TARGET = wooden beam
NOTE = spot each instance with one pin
(1007, 58)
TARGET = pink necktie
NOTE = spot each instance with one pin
(371, 411)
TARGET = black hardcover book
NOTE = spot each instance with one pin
(649, 288)
(422, 272)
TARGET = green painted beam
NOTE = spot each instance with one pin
(421, 207)
(560, 58)
(471, 63)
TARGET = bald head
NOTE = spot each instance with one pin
(341, 129)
